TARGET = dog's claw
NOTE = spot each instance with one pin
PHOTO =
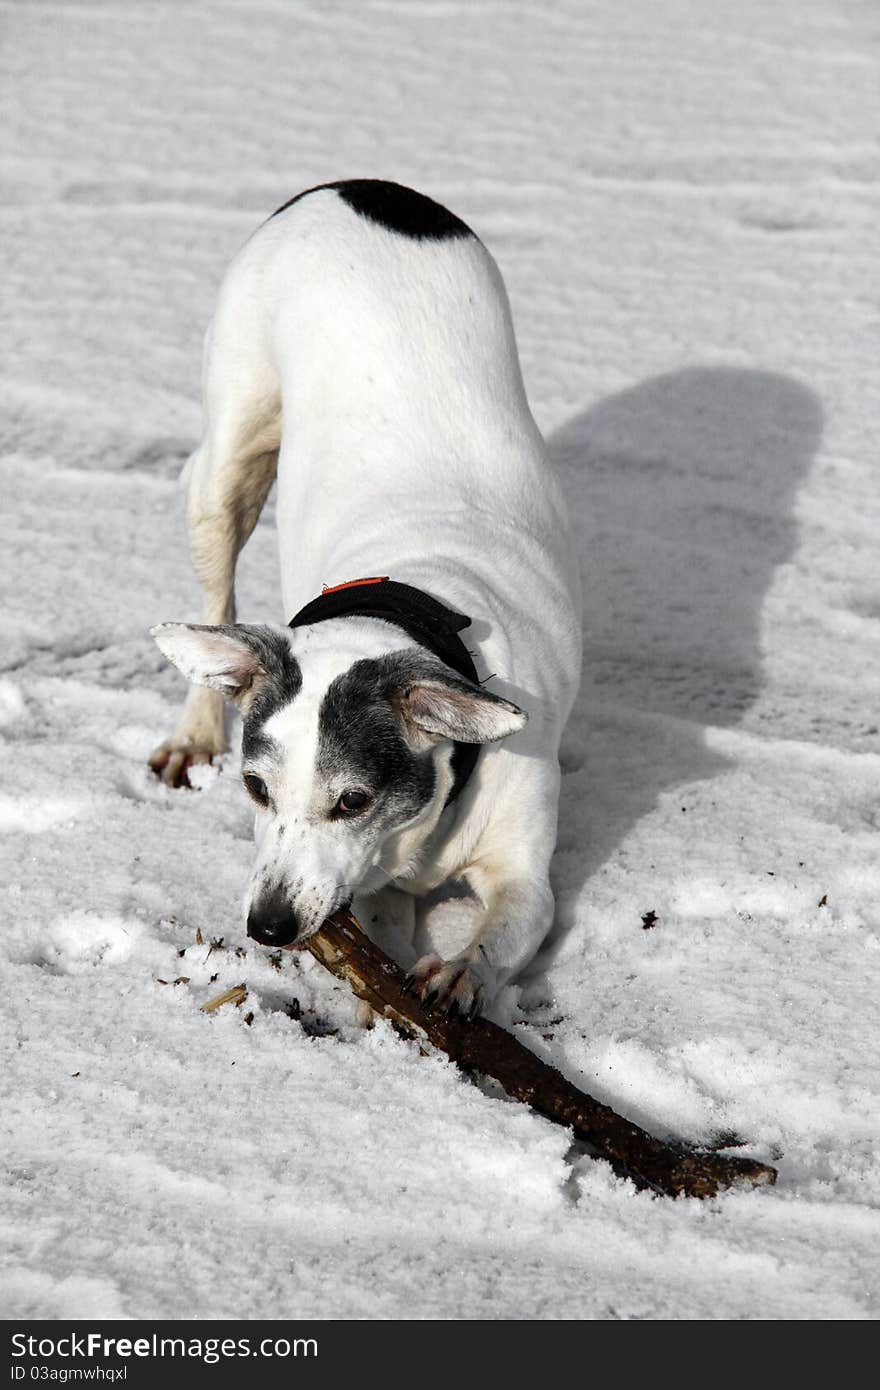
(172, 761)
(453, 985)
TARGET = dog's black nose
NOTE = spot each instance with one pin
(272, 921)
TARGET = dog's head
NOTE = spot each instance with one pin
(345, 754)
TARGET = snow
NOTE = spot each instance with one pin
(683, 201)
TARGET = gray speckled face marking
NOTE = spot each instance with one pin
(280, 684)
(362, 742)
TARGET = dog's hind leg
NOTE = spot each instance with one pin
(228, 479)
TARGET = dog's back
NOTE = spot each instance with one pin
(371, 332)
(377, 303)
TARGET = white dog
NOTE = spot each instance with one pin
(363, 352)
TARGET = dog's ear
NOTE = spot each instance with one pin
(447, 705)
(230, 658)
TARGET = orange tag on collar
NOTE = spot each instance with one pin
(354, 583)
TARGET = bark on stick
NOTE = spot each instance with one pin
(484, 1048)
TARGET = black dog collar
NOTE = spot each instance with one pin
(423, 618)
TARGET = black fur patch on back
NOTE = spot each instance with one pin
(394, 207)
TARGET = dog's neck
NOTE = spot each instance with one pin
(424, 618)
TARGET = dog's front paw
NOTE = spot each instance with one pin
(452, 985)
(172, 760)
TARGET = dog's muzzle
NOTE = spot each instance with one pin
(272, 921)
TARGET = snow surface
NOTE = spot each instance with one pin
(683, 200)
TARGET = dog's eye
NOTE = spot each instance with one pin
(351, 801)
(257, 788)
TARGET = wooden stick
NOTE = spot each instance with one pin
(480, 1046)
(237, 995)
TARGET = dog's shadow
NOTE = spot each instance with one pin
(681, 492)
